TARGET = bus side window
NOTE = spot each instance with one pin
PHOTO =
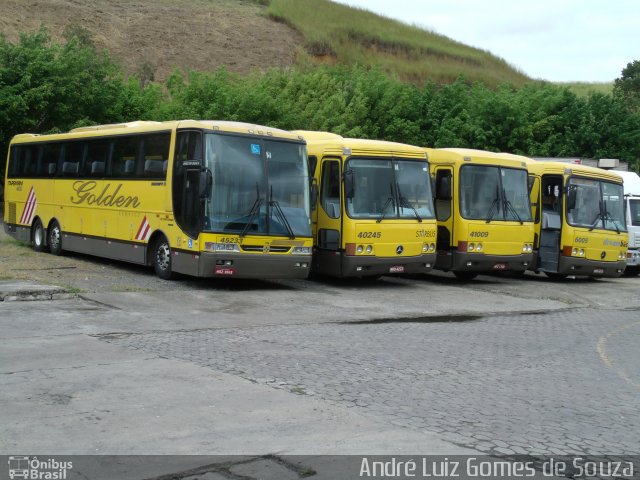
(72, 158)
(330, 188)
(97, 158)
(155, 155)
(125, 158)
(49, 157)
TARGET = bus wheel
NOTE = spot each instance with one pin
(37, 236)
(162, 258)
(55, 238)
(555, 276)
(466, 276)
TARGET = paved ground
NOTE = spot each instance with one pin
(422, 365)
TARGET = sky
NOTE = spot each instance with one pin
(554, 40)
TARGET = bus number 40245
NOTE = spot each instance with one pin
(369, 235)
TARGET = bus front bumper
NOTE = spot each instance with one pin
(479, 262)
(365, 266)
(254, 266)
(590, 268)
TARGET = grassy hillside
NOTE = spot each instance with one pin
(337, 33)
(583, 89)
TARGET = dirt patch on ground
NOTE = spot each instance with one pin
(77, 273)
(165, 34)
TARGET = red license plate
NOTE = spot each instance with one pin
(396, 269)
(224, 271)
(599, 271)
(500, 266)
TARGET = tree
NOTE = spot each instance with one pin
(628, 85)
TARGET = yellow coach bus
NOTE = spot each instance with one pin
(580, 220)
(204, 198)
(483, 211)
(374, 212)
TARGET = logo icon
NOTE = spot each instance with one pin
(603, 254)
(399, 249)
(18, 467)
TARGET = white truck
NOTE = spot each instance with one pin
(632, 203)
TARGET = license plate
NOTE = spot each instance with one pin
(500, 266)
(224, 271)
(396, 269)
(598, 270)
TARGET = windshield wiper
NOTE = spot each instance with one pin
(608, 216)
(509, 207)
(404, 203)
(389, 200)
(493, 209)
(253, 212)
(280, 214)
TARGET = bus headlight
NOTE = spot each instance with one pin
(478, 247)
(301, 251)
(472, 247)
(432, 247)
(369, 249)
(581, 252)
(425, 248)
(574, 251)
(360, 249)
(621, 256)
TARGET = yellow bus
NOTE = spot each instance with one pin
(203, 198)
(483, 212)
(580, 220)
(373, 214)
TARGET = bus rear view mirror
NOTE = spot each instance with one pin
(314, 194)
(571, 198)
(205, 184)
(349, 184)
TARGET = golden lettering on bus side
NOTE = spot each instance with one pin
(85, 193)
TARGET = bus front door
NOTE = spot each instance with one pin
(551, 228)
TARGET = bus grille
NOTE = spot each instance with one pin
(270, 249)
(12, 213)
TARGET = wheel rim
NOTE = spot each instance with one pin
(163, 256)
(54, 240)
(38, 236)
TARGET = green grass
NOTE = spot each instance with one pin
(338, 33)
(583, 89)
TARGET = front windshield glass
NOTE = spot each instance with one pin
(516, 194)
(597, 204)
(494, 193)
(389, 189)
(634, 208)
(480, 192)
(259, 186)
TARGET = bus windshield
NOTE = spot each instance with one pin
(598, 204)
(384, 189)
(259, 186)
(494, 193)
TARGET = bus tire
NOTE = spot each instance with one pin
(54, 238)
(162, 258)
(465, 276)
(38, 240)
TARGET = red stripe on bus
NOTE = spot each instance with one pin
(24, 217)
(146, 231)
(144, 220)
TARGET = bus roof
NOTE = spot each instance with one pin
(150, 126)
(332, 144)
(464, 155)
(561, 168)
